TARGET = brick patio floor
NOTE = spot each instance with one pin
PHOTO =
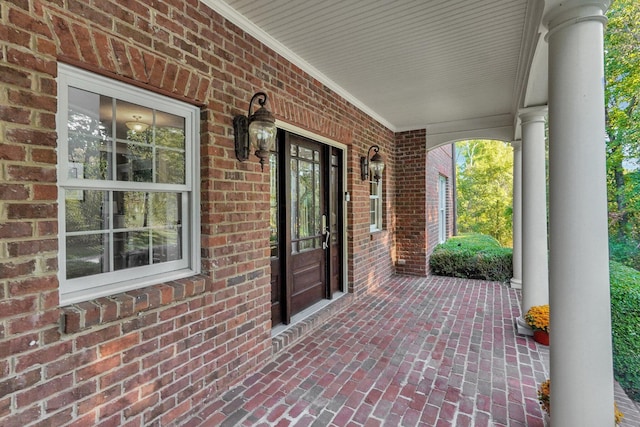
(433, 351)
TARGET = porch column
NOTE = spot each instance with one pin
(581, 353)
(516, 280)
(535, 257)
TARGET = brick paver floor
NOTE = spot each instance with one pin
(430, 351)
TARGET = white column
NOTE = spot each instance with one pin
(516, 280)
(535, 257)
(581, 353)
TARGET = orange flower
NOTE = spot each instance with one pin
(538, 317)
(544, 397)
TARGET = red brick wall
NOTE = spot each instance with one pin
(411, 199)
(148, 357)
(439, 163)
(417, 200)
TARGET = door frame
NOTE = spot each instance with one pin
(345, 206)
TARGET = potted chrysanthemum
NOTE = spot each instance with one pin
(544, 397)
(537, 318)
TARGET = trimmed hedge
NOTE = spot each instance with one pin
(625, 319)
(473, 256)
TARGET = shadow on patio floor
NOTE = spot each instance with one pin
(433, 351)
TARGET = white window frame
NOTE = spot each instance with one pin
(109, 283)
(442, 209)
(375, 199)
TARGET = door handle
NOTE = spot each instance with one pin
(325, 231)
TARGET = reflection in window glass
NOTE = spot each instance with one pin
(133, 121)
(170, 166)
(306, 213)
(166, 245)
(88, 133)
(131, 249)
(86, 210)
(135, 162)
(169, 131)
(86, 255)
(128, 167)
(375, 202)
(273, 204)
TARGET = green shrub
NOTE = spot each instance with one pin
(473, 256)
(625, 252)
(625, 319)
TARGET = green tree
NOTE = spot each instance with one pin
(484, 177)
(622, 71)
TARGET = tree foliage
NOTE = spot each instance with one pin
(622, 72)
(484, 178)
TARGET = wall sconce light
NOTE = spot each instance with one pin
(375, 164)
(137, 125)
(257, 130)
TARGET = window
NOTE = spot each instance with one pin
(442, 209)
(375, 201)
(128, 172)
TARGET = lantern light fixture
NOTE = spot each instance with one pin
(255, 130)
(137, 125)
(372, 165)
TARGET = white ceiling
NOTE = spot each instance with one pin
(449, 66)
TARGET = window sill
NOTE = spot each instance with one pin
(79, 316)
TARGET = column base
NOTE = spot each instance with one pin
(516, 283)
(523, 328)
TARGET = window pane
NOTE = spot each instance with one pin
(132, 209)
(373, 213)
(166, 245)
(133, 121)
(87, 255)
(165, 209)
(89, 116)
(131, 249)
(169, 131)
(86, 210)
(135, 162)
(170, 166)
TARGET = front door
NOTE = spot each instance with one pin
(306, 212)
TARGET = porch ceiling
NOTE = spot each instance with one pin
(450, 66)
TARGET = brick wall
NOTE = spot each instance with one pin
(411, 199)
(417, 200)
(439, 163)
(148, 357)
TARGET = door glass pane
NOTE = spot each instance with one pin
(306, 215)
(305, 153)
(333, 200)
(317, 215)
(273, 205)
(306, 200)
(294, 199)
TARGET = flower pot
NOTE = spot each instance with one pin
(541, 336)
